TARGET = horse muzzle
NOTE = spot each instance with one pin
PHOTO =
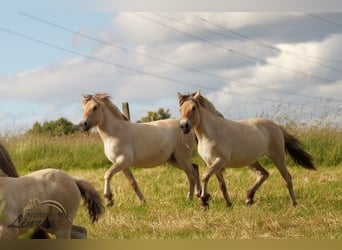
(85, 125)
(185, 126)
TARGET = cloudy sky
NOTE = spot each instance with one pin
(282, 65)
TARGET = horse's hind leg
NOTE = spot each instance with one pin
(288, 179)
(134, 184)
(191, 174)
(197, 180)
(262, 176)
(223, 187)
(191, 171)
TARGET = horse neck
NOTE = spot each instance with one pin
(111, 125)
(208, 123)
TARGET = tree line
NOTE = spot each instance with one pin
(63, 126)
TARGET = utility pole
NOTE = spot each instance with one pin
(125, 110)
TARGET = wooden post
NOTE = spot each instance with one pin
(125, 110)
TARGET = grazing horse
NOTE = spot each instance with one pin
(223, 143)
(140, 144)
(46, 200)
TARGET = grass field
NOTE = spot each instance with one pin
(168, 215)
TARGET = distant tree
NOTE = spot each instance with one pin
(161, 114)
(54, 128)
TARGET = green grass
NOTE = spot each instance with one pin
(168, 215)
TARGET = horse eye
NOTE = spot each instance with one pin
(94, 108)
(193, 108)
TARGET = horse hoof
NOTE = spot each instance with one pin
(249, 202)
(294, 204)
(206, 197)
(205, 207)
(205, 203)
(110, 203)
(229, 204)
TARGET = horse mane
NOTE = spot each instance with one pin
(6, 164)
(105, 98)
(204, 102)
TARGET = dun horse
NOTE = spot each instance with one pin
(223, 143)
(140, 144)
(46, 200)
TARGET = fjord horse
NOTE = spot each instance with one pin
(142, 145)
(224, 143)
(46, 200)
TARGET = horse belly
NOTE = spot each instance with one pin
(246, 154)
(152, 155)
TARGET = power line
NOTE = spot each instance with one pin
(140, 71)
(248, 39)
(234, 51)
(164, 61)
(324, 19)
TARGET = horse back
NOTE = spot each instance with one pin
(266, 131)
(243, 142)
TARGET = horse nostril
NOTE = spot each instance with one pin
(185, 126)
(84, 125)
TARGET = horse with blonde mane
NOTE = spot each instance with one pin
(46, 200)
(224, 143)
(143, 145)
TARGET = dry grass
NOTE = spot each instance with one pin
(168, 215)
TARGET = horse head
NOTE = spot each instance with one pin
(92, 111)
(189, 109)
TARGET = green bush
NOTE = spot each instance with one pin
(54, 128)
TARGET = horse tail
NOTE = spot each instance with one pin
(92, 199)
(295, 149)
(6, 163)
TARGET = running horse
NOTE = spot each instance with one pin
(46, 200)
(224, 143)
(142, 145)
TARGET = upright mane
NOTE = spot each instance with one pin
(6, 164)
(105, 99)
(204, 102)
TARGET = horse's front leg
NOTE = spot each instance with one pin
(115, 168)
(214, 168)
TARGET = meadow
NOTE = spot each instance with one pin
(167, 214)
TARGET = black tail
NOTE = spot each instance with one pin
(92, 199)
(6, 163)
(295, 149)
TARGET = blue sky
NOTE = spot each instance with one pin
(146, 58)
(25, 54)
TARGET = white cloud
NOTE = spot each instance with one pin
(58, 86)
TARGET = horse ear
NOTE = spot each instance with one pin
(102, 96)
(182, 98)
(86, 97)
(197, 95)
